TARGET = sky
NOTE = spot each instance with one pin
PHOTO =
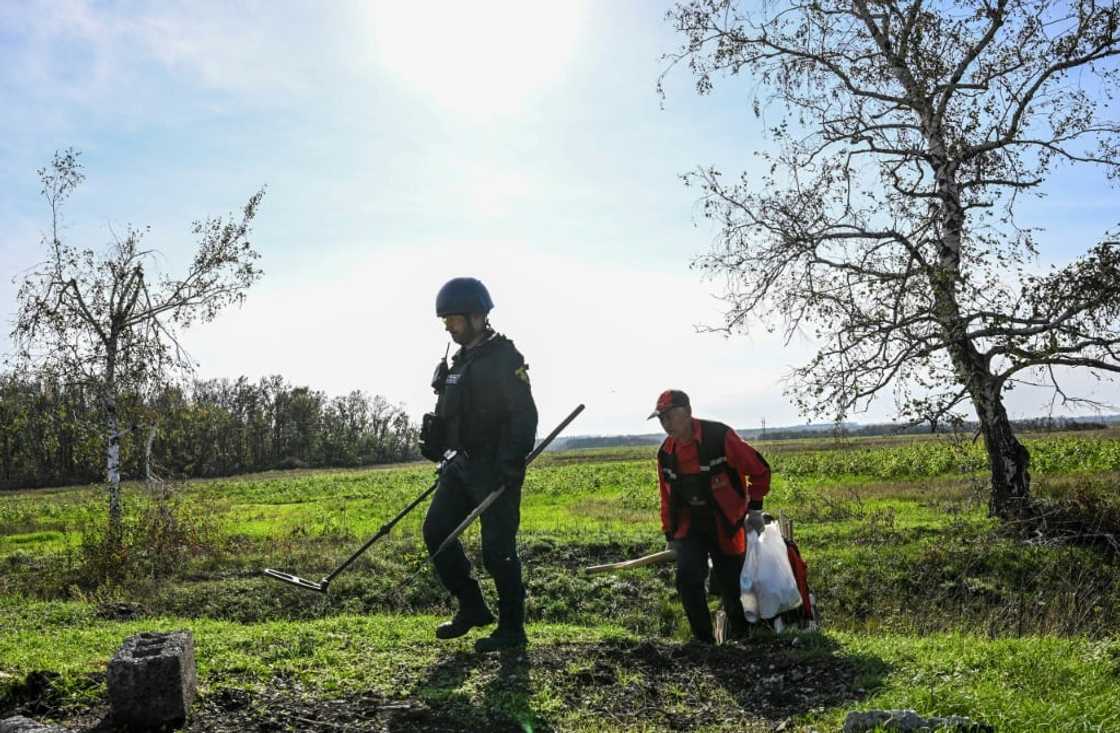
(403, 144)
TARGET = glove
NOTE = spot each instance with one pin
(432, 437)
(672, 544)
(755, 521)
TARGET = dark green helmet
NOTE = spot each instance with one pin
(463, 295)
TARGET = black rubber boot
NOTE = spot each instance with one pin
(472, 612)
(463, 621)
(502, 639)
(510, 633)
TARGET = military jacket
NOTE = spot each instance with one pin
(488, 405)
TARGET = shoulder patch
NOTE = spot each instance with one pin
(522, 373)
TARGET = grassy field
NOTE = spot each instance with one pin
(926, 602)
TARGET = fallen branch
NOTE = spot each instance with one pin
(654, 559)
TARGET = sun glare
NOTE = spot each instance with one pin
(476, 57)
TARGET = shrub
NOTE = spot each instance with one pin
(157, 540)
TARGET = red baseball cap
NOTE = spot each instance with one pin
(669, 399)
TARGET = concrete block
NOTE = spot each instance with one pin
(152, 680)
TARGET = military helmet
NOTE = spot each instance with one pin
(463, 295)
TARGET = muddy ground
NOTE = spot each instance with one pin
(756, 685)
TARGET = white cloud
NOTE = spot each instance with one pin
(257, 48)
(103, 54)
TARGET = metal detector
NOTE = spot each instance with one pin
(322, 585)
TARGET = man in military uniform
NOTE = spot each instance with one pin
(486, 413)
(712, 484)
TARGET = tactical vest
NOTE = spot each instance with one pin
(457, 396)
(686, 490)
(451, 404)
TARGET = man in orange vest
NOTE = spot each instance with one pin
(712, 485)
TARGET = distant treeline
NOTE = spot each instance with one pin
(50, 436)
(1032, 425)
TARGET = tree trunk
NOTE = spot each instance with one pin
(113, 466)
(1009, 459)
(113, 450)
(148, 453)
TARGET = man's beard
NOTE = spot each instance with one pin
(470, 333)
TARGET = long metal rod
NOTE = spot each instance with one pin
(493, 496)
(321, 586)
(388, 526)
(552, 436)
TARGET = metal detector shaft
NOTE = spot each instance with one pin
(493, 496)
(385, 529)
(552, 436)
(321, 586)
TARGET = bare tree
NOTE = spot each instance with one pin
(103, 320)
(906, 134)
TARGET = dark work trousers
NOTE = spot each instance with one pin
(463, 484)
(692, 570)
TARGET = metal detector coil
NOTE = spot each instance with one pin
(321, 586)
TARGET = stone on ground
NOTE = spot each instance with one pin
(908, 720)
(20, 724)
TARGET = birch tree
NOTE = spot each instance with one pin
(108, 322)
(904, 137)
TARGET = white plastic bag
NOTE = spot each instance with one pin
(766, 585)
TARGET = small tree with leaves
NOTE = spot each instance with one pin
(905, 135)
(103, 320)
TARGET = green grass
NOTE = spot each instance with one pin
(1030, 684)
(339, 653)
(928, 603)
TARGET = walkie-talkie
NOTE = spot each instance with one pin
(439, 378)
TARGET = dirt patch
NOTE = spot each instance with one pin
(285, 705)
(640, 684)
(760, 681)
